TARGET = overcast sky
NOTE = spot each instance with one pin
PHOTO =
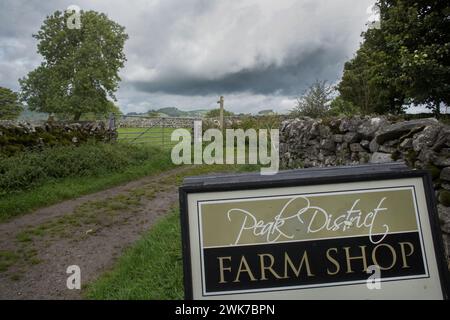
(259, 54)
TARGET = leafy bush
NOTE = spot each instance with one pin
(26, 170)
(315, 102)
(341, 107)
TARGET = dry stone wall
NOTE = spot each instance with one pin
(19, 136)
(421, 143)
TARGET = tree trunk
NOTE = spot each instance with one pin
(77, 116)
(437, 110)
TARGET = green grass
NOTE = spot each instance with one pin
(151, 269)
(53, 190)
(86, 220)
(7, 259)
(25, 255)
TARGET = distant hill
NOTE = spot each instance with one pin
(198, 113)
(171, 112)
(28, 115)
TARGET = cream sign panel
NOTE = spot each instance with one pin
(314, 242)
(309, 239)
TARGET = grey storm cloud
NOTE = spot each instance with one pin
(187, 51)
(287, 79)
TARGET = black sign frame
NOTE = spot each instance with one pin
(305, 177)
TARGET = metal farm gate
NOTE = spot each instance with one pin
(156, 131)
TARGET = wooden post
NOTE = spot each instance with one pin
(221, 101)
(162, 128)
(112, 131)
(112, 122)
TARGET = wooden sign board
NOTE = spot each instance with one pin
(364, 232)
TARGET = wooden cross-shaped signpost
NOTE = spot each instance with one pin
(220, 102)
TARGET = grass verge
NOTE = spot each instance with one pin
(151, 269)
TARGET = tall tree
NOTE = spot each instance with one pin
(112, 108)
(371, 80)
(356, 86)
(10, 107)
(315, 101)
(80, 71)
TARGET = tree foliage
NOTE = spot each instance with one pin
(371, 80)
(111, 109)
(79, 73)
(341, 107)
(315, 102)
(404, 60)
(418, 33)
(10, 107)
